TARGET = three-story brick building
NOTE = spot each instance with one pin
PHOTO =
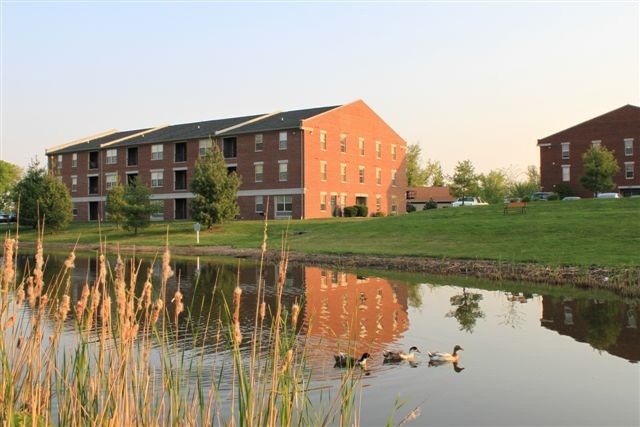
(307, 163)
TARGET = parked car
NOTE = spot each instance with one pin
(571, 198)
(469, 201)
(608, 196)
(7, 217)
(541, 195)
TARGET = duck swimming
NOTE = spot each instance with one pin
(343, 360)
(399, 356)
(438, 357)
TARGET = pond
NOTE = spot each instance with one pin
(546, 357)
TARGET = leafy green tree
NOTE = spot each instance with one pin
(467, 309)
(563, 190)
(137, 206)
(494, 186)
(434, 174)
(39, 194)
(524, 189)
(464, 181)
(9, 176)
(116, 205)
(416, 176)
(215, 190)
(600, 166)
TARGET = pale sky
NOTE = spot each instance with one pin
(477, 81)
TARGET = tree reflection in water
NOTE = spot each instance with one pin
(467, 311)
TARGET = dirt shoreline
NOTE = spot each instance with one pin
(624, 281)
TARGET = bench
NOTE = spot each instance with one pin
(515, 205)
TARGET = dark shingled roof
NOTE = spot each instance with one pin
(283, 120)
(94, 144)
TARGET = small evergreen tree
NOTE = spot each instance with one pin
(137, 206)
(600, 166)
(215, 190)
(116, 205)
(464, 181)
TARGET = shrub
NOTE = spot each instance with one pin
(350, 211)
(564, 190)
(362, 210)
(377, 214)
(431, 204)
(553, 196)
(410, 208)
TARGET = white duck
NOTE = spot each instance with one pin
(343, 360)
(399, 356)
(438, 357)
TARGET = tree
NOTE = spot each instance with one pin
(467, 309)
(433, 174)
(464, 181)
(416, 176)
(38, 195)
(526, 188)
(215, 190)
(9, 176)
(494, 186)
(137, 206)
(599, 168)
(116, 205)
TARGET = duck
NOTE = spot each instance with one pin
(399, 356)
(344, 360)
(438, 357)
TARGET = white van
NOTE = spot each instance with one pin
(608, 196)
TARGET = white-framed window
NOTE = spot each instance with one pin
(157, 151)
(378, 149)
(629, 170)
(343, 143)
(323, 171)
(394, 205)
(323, 201)
(596, 143)
(258, 142)
(283, 140)
(157, 210)
(361, 146)
(628, 146)
(323, 140)
(74, 160)
(343, 172)
(74, 183)
(378, 176)
(283, 170)
(157, 179)
(205, 146)
(259, 202)
(284, 206)
(259, 171)
(60, 157)
(393, 177)
(394, 151)
(565, 150)
(378, 203)
(111, 180)
(361, 174)
(112, 156)
(566, 173)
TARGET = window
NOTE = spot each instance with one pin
(157, 179)
(323, 171)
(74, 211)
(378, 203)
(60, 161)
(132, 156)
(378, 149)
(157, 210)
(378, 176)
(93, 160)
(157, 152)
(94, 185)
(259, 204)
(566, 173)
(323, 141)
(628, 146)
(628, 170)
(111, 180)
(361, 146)
(229, 148)
(284, 206)
(596, 143)
(393, 178)
(323, 201)
(74, 183)
(343, 143)
(283, 140)
(180, 179)
(74, 160)
(204, 147)
(361, 174)
(112, 156)
(393, 152)
(343, 172)
(259, 171)
(394, 205)
(283, 174)
(565, 150)
(180, 152)
(132, 178)
(258, 142)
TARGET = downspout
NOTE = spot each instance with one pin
(302, 169)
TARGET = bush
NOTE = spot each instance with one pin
(410, 208)
(431, 204)
(377, 214)
(564, 190)
(350, 211)
(553, 196)
(362, 210)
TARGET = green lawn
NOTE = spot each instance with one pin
(581, 233)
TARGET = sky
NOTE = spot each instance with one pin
(478, 81)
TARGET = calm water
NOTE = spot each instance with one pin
(528, 359)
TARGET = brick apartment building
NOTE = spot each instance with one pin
(301, 164)
(617, 130)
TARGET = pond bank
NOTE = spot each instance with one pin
(623, 281)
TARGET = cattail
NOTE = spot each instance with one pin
(9, 323)
(102, 270)
(121, 296)
(95, 303)
(19, 342)
(69, 262)
(295, 310)
(65, 305)
(8, 272)
(237, 334)
(20, 294)
(82, 303)
(263, 310)
(105, 311)
(157, 308)
(167, 272)
(177, 300)
(286, 361)
(145, 298)
(37, 271)
(31, 293)
(44, 299)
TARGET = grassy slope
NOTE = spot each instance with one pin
(581, 233)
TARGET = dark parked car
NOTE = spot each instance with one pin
(540, 195)
(7, 217)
